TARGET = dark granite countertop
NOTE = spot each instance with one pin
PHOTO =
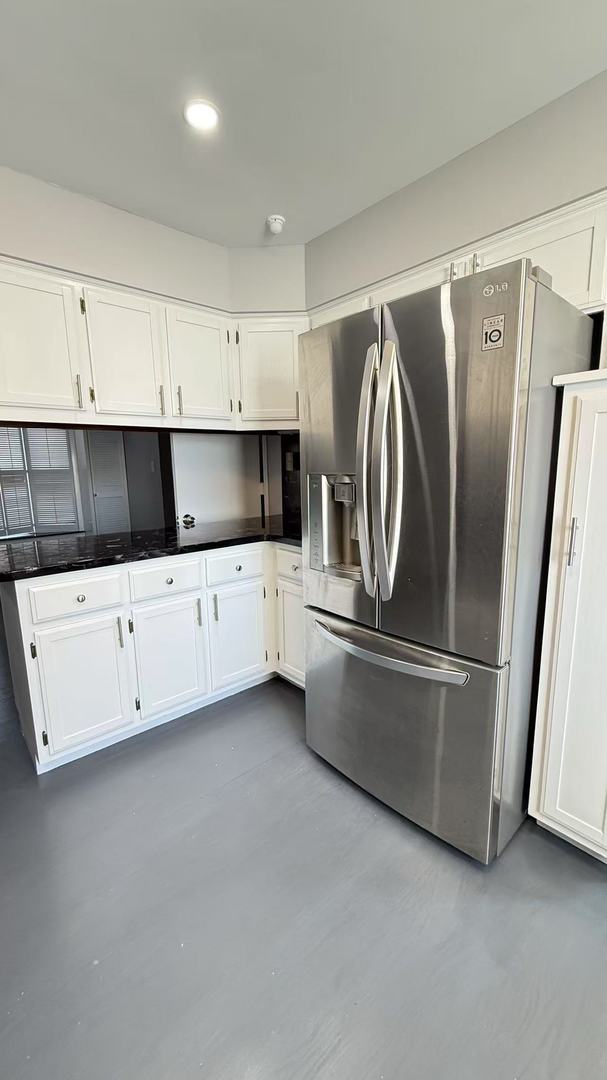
(79, 551)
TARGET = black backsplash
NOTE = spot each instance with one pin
(291, 484)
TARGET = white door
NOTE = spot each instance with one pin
(126, 353)
(84, 680)
(38, 341)
(236, 633)
(199, 363)
(291, 631)
(169, 646)
(268, 371)
(109, 481)
(576, 774)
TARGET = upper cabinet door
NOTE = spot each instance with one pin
(38, 341)
(268, 371)
(199, 363)
(126, 353)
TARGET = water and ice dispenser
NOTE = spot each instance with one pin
(334, 545)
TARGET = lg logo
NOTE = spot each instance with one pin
(489, 290)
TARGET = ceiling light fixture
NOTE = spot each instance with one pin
(201, 115)
(276, 223)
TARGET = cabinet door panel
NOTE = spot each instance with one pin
(291, 630)
(576, 774)
(198, 357)
(236, 634)
(84, 680)
(38, 341)
(170, 654)
(268, 372)
(125, 346)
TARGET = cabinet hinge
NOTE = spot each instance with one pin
(228, 333)
(82, 306)
(231, 405)
(238, 337)
(277, 590)
(33, 650)
(44, 738)
(278, 655)
(266, 656)
(264, 592)
(240, 406)
(91, 394)
(137, 704)
(131, 627)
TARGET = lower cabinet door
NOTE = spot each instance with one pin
(236, 634)
(169, 647)
(291, 631)
(84, 677)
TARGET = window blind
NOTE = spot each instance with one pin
(37, 488)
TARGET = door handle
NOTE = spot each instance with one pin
(215, 607)
(362, 467)
(161, 393)
(404, 667)
(388, 407)
(571, 552)
(180, 400)
(199, 610)
(79, 390)
(120, 634)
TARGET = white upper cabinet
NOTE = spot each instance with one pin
(126, 353)
(570, 248)
(38, 341)
(199, 364)
(268, 370)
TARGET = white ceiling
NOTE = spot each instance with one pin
(327, 105)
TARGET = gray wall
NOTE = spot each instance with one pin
(8, 712)
(556, 155)
(142, 460)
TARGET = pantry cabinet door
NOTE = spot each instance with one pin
(236, 634)
(268, 371)
(84, 680)
(38, 341)
(126, 353)
(291, 631)
(169, 646)
(576, 770)
(199, 363)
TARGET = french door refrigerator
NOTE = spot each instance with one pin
(427, 433)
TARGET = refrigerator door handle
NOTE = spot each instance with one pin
(362, 467)
(389, 407)
(404, 667)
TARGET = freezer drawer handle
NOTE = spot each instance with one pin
(443, 675)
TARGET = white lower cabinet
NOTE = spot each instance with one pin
(290, 620)
(569, 779)
(236, 633)
(170, 652)
(98, 655)
(84, 680)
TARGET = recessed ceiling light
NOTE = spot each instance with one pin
(201, 115)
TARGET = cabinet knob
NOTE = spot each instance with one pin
(238, 566)
(295, 568)
(81, 598)
(169, 581)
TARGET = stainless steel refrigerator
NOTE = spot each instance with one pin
(427, 433)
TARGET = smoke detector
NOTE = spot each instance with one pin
(275, 223)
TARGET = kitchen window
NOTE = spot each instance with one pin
(38, 485)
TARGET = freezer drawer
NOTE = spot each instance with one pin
(415, 728)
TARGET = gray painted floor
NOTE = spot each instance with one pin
(211, 900)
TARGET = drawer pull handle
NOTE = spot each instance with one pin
(238, 566)
(169, 581)
(295, 568)
(81, 598)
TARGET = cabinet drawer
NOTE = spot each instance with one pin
(74, 597)
(224, 568)
(164, 580)
(288, 564)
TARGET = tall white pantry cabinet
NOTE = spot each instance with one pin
(569, 777)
